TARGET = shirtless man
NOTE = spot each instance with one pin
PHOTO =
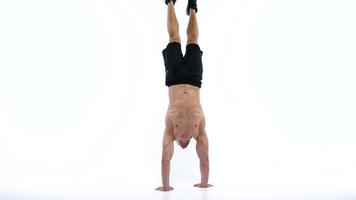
(185, 118)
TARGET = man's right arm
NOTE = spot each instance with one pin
(167, 154)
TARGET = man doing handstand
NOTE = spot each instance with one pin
(185, 117)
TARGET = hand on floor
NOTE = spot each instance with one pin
(165, 189)
(201, 185)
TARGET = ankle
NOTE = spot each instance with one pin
(192, 11)
(170, 2)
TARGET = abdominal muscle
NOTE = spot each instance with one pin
(184, 112)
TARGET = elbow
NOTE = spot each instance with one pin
(204, 162)
(165, 161)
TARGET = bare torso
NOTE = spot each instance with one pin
(185, 117)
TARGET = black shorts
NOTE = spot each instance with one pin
(183, 70)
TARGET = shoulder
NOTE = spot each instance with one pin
(169, 122)
(202, 123)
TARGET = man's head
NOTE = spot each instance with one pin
(184, 129)
(183, 141)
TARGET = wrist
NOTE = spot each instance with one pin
(204, 182)
(166, 187)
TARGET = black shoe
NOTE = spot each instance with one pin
(167, 1)
(192, 4)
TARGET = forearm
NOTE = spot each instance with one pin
(204, 171)
(165, 173)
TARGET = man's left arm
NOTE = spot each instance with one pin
(202, 148)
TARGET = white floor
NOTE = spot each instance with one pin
(117, 192)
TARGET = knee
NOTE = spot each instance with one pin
(174, 37)
(193, 36)
(173, 33)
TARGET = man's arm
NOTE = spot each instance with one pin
(167, 153)
(202, 148)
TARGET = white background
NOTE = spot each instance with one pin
(82, 99)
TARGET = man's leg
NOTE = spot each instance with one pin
(172, 24)
(192, 30)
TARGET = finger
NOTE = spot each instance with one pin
(209, 185)
(166, 189)
(204, 186)
(159, 188)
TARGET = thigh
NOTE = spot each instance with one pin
(193, 58)
(172, 55)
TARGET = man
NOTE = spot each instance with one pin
(185, 118)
